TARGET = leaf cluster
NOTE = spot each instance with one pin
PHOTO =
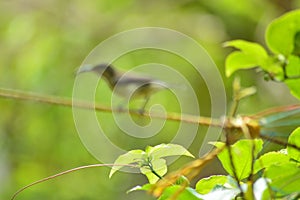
(272, 175)
(282, 63)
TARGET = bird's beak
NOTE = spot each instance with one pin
(85, 68)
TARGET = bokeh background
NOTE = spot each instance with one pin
(44, 42)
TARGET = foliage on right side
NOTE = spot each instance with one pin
(283, 64)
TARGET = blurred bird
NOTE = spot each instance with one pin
(129, 85)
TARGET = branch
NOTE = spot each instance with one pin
(67, 102)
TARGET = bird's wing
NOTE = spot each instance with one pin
(141, 79)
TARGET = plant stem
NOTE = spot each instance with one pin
(54, 100)
(153, 171)
(67, 172)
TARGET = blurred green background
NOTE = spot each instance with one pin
(44, 42)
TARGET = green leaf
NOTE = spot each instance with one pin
(295, 140)
(285, 179)
(150, 158)
(164, 150)
(228, 190)
(241, 153)
(206, 185)
(250, 55)
(293, 75)
(293, 85)
(133, 156)
(293, 66)
(281, 34)
(269, 159)
(273, 65)
(145, 187)
(222, 193)
(217, 144)
(159, 166)
(187, 194)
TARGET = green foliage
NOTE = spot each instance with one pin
(285, 179)
(145, 187)
(295, 140)
(213, 182)
(279, 177)
(241, 156)
(283, 39)
(279, 169)
(278, 173)
(150, 161)
(187, 193)
(269, 159)
(282, 35)
(217, 187)
(250, 55)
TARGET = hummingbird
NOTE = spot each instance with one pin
(129, 85)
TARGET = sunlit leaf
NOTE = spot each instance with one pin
(293, 85)
(186, 193)
(250, 55)
(241, 154)
(285, 179)
(159, 167)
(280, 34)
(189, 171)
(206, 185)
(268, 159)
(145, 187)
(293, 75)
(295, 140)
(224, 189)
(273, 65)
(128, 158)
(164, 150)
(293, 66)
